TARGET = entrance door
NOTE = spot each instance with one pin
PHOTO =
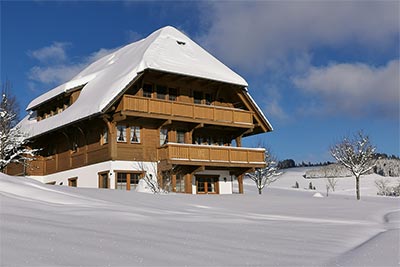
(207, 184)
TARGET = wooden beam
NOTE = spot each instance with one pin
(199, 169)
(165, 123)
(119, 117)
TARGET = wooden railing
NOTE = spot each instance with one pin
(186, 110)
(187, 154)
(66, 161)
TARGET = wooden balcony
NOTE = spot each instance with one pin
(224, 156)
(150, 107)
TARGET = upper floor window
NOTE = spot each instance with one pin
(161, 92)
(135, 134)
(173, 94)
(180, 137)
(121, 133)
(208, 99)
(104, 136)
(197, 97)
(163, 136)
(147, 90)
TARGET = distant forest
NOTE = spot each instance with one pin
(290, 163)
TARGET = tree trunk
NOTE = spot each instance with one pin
(358, 187)
(259, 191)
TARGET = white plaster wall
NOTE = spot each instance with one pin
(224, 187)
(88, 175)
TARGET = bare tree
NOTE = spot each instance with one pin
(152, 177)
(330, 184)
(357, 155)
(332, 181)
(265, 176)
(12, 103)
(383, 185)
(13, 142)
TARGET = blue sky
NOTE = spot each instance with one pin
(319, 70)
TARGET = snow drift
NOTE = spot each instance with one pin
(44, 225)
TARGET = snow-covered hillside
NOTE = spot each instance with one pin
(345, 185)
(44, 225)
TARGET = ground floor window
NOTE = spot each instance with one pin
(128, 180)
(73, 182)
(180, 183)
(166, 181)
(207, 184)
(104, 181)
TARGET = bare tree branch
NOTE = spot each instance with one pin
(356, 154)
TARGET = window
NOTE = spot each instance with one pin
(74, 141)
(51, 149)
(147, 90)
(121, 133)
(163, 136)
(121, 181)
(128, 181)
(197, 140)
(180, 183)
(135, 134)
(134, 180)
(207, 185)
(104, 182)
(166, 181)
(220, 141)
(173, 94)
(208, 99)
(161, 92)
(104, 136)
(180, 137)
(73, 182)
(197, 96)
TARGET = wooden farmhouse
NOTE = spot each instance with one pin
(161, 106)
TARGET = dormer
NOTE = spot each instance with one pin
(57, 104)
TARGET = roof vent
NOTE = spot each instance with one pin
(180, 42)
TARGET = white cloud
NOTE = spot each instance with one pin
(355, 89)
(53, 53)
(52, 72)
(56, 74)
(272, 104)
(260, 35)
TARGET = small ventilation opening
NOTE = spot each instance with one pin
(180, 42)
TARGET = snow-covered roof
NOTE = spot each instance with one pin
(166, 49)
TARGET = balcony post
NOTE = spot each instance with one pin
(239, 141)
(240, 182)
(188, 183)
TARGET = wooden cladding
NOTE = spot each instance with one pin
(211, 155)
(206, 113)
(66, 160)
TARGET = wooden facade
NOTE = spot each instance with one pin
(185, 124)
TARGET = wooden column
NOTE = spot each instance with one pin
(188, 183)
(173, 181)
(240, 182)
(239, 141)
(112, 139)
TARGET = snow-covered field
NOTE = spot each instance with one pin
(44, 225)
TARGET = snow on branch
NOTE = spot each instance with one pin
(13, 142)
(267, 175)
(356, 154)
